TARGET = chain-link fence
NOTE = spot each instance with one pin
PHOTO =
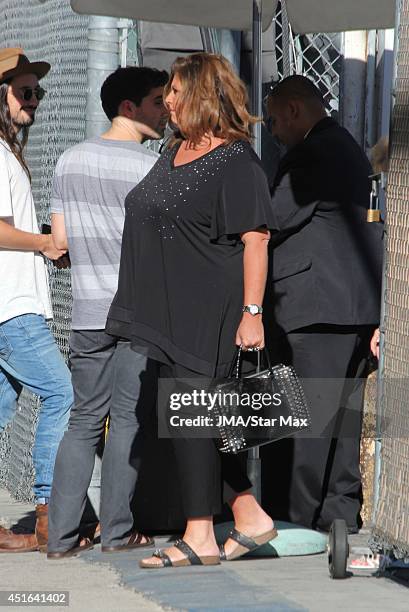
(317, 56)
(392, 517)
(47, 30)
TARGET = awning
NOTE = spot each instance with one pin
(305, 16)
(234, 15)
(308, 16)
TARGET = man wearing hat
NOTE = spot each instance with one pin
(29, 356)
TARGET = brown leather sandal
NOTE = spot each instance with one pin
(245, 544)
(191, 558)
(135, 541)
(82, 545)
(92, 531)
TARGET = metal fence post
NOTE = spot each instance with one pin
(103, 58)
(370, 110)
(256, 103)
(353, 85)
(230, 44)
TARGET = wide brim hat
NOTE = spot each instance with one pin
(13, 63)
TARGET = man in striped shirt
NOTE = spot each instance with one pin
(91, 182)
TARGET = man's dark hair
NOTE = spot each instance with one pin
(296, 86)
(131, 83)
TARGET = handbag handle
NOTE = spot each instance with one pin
(235, 365)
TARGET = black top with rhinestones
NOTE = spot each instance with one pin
(180, 290)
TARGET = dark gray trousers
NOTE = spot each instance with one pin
(108, 379)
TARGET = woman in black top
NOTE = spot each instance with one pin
(194, 254)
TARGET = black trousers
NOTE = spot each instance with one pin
(319, 477)
(202, 470)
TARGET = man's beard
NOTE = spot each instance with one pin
(22, 122)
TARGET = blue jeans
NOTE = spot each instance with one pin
(29, 357)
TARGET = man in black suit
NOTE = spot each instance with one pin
(326, 274)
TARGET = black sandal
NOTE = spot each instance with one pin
(245, 543)
(191, 558)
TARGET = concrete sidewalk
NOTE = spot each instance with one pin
(115, 583)
(92, 588)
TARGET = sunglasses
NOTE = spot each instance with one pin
(29, 92)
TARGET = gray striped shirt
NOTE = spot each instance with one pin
(91, 182)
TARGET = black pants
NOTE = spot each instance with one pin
(201, 468)
(319, 478)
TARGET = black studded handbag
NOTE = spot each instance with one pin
(258, 409)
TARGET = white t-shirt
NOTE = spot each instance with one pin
(23, 274)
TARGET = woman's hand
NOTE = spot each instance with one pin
(375, 343)
(250, 333)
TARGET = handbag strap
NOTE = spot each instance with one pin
(266, 354)
(235, 364)
(234, 371)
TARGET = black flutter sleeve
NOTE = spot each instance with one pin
(243, 202)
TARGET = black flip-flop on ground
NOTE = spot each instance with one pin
(245, 543)
(191, 558)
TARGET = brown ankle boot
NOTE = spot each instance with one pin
(17, 542)
(41, 530)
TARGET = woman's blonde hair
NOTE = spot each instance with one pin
(213, 99)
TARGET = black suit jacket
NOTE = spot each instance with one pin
(326, 260)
